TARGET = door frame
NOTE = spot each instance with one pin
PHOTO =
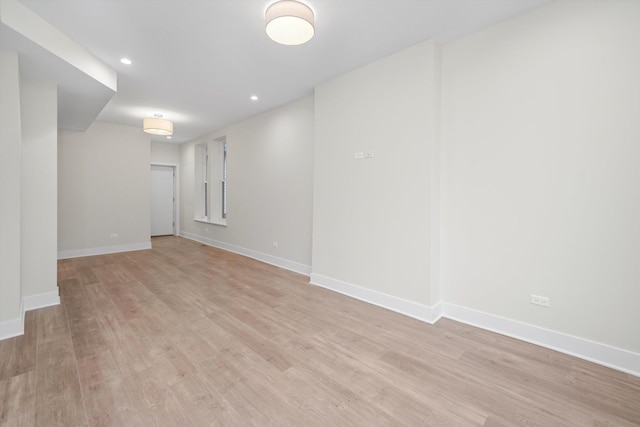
(176, 192)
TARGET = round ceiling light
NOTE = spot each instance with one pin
(289, 22)
(157, 125)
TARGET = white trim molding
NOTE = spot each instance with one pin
(76, 253)
(399, 305)
(41, 300)
(602, 354)
(294, 266)
(11, 328)
(15, 327)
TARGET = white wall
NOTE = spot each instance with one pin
(163, 153)
(104, 189)
(39, 188)
(270, 186)
(10, 189)
(541, 193)
(28, 135)
(372, 218)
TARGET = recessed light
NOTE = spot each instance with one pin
(169, 137)
(126, 61)
(254, 98)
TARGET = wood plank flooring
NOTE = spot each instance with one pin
(189, 335)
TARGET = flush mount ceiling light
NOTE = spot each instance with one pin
(157, 125)
(289, 22)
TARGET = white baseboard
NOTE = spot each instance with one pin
(260, 256)
(40, 301)
(400, 305)
(76, 253)
(15, 327)
(602, 354)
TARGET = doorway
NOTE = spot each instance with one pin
(163, 200)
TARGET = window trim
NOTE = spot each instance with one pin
(210, 159)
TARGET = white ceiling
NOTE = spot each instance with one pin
(198, 61)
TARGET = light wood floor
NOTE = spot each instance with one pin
(186, 334)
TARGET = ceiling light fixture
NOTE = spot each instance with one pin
(289, 22)
(254, 98)
(156, 125)
(126, 61)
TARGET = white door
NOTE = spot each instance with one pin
(162, 200)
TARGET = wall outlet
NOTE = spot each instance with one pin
(369, 155)
(538, 300)
(114, 235)
(359, 155)
(275, 244)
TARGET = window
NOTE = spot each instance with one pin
(211, 181)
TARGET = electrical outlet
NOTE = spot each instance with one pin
(538, 300)
(369, 154)
(275, 244)
(359, 155)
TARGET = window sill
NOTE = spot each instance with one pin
(213, 222)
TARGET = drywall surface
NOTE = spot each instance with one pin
(372, 219)
(10, 188)
(269, 182)
(541, 190)
(39, 188)
(104, 189)
(163, 153)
